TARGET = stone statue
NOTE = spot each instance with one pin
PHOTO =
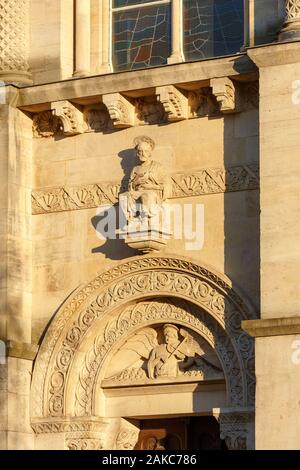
(165, 358)
(147, 188)
(165, 352)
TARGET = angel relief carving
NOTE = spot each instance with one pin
(163, 353)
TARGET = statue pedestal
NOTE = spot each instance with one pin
(144, 237)
(146, 242)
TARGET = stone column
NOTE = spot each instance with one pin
(106, 60)
(176, 55)
(236, 427)
(82, 38)
(14, 41)
(291, 27)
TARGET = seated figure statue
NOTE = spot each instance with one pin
(147, 188)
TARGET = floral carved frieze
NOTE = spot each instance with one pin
(203, 182)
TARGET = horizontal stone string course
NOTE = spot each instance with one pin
(202, 182)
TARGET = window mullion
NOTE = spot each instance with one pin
(176, 33)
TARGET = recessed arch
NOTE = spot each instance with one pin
(91, 307)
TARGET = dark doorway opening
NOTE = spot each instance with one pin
(188, 433)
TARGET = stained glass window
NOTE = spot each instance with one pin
(212, 28)
(141, 33)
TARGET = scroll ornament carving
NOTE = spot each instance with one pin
(174, 102)
(114, 287)
(46, 124)
(207, 181)
(120, 109)
(225, 92)
(53, 426)
(71, 117)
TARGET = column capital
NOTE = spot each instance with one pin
(236, 427)
(291, 27)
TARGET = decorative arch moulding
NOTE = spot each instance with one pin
(100, 315)
(203, 182)
(133, 297)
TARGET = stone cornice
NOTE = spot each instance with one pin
(201, 182)
(275, 54)
(272, 327)
(183, 75)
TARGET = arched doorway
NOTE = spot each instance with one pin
(106, 362)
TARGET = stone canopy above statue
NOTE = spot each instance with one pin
(163, 354)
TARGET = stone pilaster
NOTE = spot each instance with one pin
(83, 37)
(14, 41)
(291, 27)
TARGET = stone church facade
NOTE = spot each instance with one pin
(150, 224)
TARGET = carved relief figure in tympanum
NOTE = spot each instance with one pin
(165, 358)
(164, 352)
(148, 185)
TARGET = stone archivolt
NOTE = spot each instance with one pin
(112, 308)
(202, 182)
(208, 307)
